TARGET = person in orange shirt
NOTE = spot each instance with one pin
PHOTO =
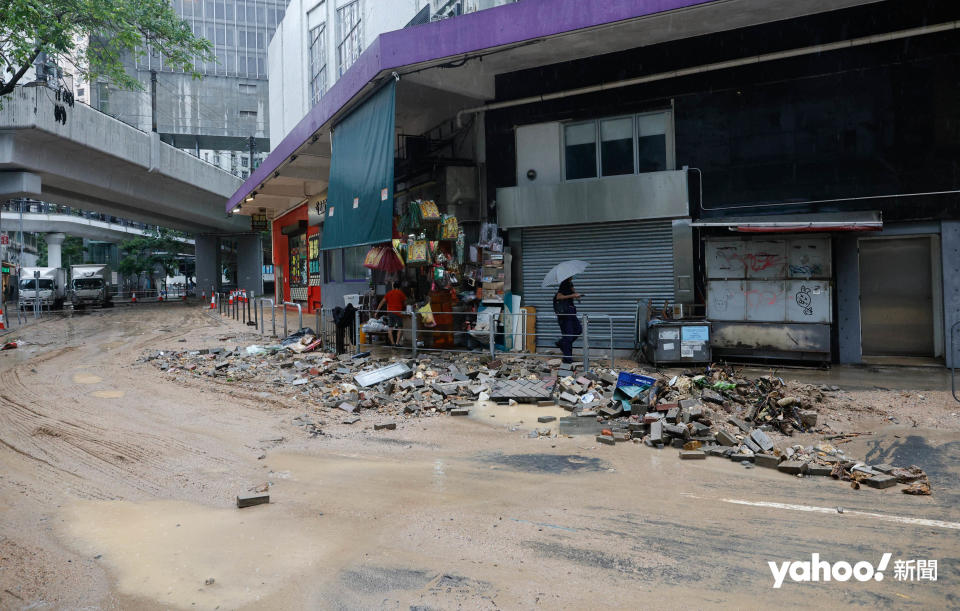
(395, 301)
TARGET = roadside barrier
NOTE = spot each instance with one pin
(3, 321)
(492, 331)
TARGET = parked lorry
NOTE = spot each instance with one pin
(48, 284)
(90, 285)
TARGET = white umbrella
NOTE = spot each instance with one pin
(562, 271)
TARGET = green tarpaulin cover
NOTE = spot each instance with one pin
(360, 195)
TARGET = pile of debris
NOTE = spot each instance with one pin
(717, 412)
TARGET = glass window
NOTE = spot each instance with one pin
(349, 42)
(318, 62)
(229, 13)
(221, 35)
(329, 266)
(652, 142)
(616, 146)
(580, 150)
(220, 9)
(353, 268)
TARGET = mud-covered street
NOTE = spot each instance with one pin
(118, 486)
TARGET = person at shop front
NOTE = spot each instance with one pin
(395, 300)
(570, 327)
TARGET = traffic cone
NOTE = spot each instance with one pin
(213, 301)
(204, 297)
(3, 321)
(159, 296)
(183, 297)
(231, 298)
(133, 298)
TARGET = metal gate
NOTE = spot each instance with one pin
(628, 261)
(896, 297)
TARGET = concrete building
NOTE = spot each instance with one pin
(783, 169)
(215, 117)
(318, 41)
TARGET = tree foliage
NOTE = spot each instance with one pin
(146, 254)
(115, 28)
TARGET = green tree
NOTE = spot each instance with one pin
(146, 254)
(72, 251)
(115, 28)
(137, 259)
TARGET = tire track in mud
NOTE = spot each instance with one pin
(78, 445)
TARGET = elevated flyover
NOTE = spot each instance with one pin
(98, 163)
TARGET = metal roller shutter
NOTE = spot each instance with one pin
(628, 261)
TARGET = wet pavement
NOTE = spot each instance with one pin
(130, 502)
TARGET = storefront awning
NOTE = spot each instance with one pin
(360, 195)
(792, 223)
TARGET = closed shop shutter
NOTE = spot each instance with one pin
(628, 261)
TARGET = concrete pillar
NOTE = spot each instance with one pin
(847, 275)
(206, 248)
(250, 263)
(950, 245)
(54, 243)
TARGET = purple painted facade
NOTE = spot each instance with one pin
(504, 25)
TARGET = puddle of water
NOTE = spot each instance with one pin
(166, 550)
(86, 378)
(522, 414)
(108, 394)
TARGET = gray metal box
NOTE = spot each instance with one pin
(679, 342)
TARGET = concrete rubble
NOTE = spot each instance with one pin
(709, 413)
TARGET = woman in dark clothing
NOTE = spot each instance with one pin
(570, 328)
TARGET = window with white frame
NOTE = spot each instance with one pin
(615, 146)
(318, 62)
(349, 41)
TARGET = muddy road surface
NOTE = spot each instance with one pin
(118, 486)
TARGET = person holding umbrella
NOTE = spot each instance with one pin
(563, 306)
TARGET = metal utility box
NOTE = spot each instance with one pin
(679, 342)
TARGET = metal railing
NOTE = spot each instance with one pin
(273, 316)
(597, 341)
(483, 330)
(299, 315)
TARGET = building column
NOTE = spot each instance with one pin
(207, 264)
(847, 282)
(950, 246)
(250, 263)
(54, 251)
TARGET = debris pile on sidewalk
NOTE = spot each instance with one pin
(716, 412)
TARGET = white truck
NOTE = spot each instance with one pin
(48, 284)
(90, 285)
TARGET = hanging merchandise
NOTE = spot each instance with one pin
(417, 253)
(373, 258)
(488, 233)
(429, 210)
(450, 228)
(412, 220)
(461, 242)
(426, 315)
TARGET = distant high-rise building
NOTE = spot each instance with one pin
(219, 113)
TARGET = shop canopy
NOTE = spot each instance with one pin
(791, 223)
(360, 195)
